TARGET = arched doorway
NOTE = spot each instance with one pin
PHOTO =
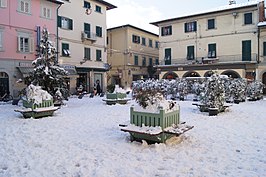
(4, 83)
(170, 75)
(191, 74)
(264, 82)
(208, 74)
(231, 74)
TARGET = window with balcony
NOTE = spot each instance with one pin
(24, 6)
(190, 53)
(98, 55)
(144, 61)
(98, 31)
(136, 60)
(135, 39)
(212, 51)
(190, 27)
(167, 56)
(167, 30)
(211, 23)
(65, 23)
(98, 9)
(248, 18)
(3, 3)
(150, 43)
(87, 5)
(25, 43)
(143, 41)
(87, 53)
(46, 12)
(65, 50)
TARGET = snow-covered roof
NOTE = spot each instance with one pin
(57, 1)
(214, 10)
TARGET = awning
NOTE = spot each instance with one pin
(71, 70)
(25, 71)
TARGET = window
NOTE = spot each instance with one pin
(136, 60)
(87, 5)
(24, 6)
(150, 42)
(156, 61)
(264, 48)
(156, 44)
(135, 39)
(167, 56)
(65, 50)
(46, 12)
(87, 53)
(25, 43)
(211, 24)
(98, 31)
(248, 18)
(190, 26)
(65, 23)
(143, 41)
(3, 3)
(98, 9)
(150, 62)
(98, 55)
(190, 53)
(211, 50)
(167, 30)
(144, 61)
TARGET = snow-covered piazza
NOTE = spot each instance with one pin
(83, 139)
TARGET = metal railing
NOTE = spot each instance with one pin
(88, 35)
(206, 60)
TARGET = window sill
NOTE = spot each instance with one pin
(98, 12)
(26, 13)
(46, 18)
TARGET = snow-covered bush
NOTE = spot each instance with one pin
(36, 94)
(255, 90)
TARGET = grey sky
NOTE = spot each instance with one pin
(141, 12)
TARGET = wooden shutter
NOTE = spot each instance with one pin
(18, 39)
(195, 26)
(264, 48)
(185, 27)
(70, 24)
(31, 40)
(59, 23)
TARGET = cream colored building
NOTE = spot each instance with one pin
(230, 39)
(131, 51)
(82, 42)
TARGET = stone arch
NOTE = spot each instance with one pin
(208, 73)
(170, 75)
(191, 74)
(231, 73)
(4, 83)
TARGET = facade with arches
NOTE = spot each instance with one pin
(230, 41)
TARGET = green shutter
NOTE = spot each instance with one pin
(212, 50)
(195, 26)
(59, 21)
(87, 27)
(246, 50)
(264, 48)
(70, 24)
(167, 56)
(190, 53)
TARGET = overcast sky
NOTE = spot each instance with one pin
(140, 13)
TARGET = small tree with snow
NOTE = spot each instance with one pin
(47, 73)
(214, 93)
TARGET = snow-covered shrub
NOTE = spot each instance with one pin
(36, 94)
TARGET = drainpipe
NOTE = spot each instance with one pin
(258, 58)
(57, 37)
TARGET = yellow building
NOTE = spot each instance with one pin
(82, 42)
(131, 51)
(229, 39)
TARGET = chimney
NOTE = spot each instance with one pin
(231, 2)
(261, 12)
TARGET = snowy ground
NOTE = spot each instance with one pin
(83, 140)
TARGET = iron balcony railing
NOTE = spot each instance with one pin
(88, 35)
(206, 60)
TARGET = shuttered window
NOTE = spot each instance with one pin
(190, 53)
(247, 18)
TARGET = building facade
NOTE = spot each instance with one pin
(20, 27)
(82, 42)
(229, 39)
(131, 53)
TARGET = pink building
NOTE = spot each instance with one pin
(20, 26)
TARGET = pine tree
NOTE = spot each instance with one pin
(47, 73)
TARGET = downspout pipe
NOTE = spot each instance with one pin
(57, 37)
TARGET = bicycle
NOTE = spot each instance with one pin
(6, 97)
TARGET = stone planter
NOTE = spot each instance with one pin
(213, 111)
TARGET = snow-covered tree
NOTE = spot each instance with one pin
(47, 73)
(255, 90)
(214, 94)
